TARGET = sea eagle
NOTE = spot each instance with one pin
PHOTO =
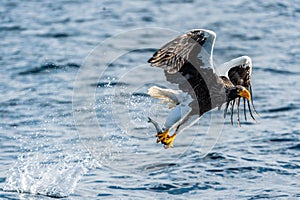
(188, 62)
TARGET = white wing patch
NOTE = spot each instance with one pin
(207, 48)
(243, 61)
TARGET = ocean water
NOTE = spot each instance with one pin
(74, 108)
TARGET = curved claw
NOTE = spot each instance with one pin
(165, 139)
(161, 137)
(169, 141)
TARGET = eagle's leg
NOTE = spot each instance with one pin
(163, 136)
(183, 123)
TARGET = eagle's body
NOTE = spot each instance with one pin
(187, 61)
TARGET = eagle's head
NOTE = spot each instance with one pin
(237, 91)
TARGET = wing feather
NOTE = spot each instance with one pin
(187, 61)
(239, 73)
(195, 47)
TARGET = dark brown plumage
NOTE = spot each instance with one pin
(187, 61)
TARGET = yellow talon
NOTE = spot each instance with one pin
(165, 139)
(162, 136)
(169, 141)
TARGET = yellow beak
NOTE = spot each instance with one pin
(245, 93)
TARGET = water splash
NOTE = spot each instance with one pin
(39, 175)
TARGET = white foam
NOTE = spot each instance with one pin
(35, 174)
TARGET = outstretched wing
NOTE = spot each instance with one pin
(187, 61)
(239, 73)
(194, 47)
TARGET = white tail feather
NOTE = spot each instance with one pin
(169, 96)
